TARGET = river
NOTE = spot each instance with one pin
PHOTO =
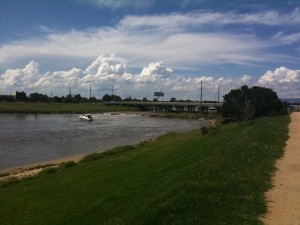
(28, 138)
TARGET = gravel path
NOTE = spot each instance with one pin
(284, 197)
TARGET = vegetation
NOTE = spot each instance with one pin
(109, 98)
(248, 103)
(188, 178)
(35, 107)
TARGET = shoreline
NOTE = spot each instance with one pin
(35, 168)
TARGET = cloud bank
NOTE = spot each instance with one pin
(110, 70)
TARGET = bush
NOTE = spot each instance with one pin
(204, 130)
(67, 164)
(92, 157)
(49, 170)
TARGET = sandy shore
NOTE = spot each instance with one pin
(284, 198)
(33, 169)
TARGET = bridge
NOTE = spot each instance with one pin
(164, 106)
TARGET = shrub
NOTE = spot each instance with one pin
(204, 130)
(67, 164)
(92, 157)
(49, 170)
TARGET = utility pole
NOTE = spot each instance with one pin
(90, 90)
(112, 90)
(70, 91)
(99, 94)
(201, 94)
(218, 93)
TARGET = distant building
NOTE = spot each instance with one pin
(14, 97)
(19, 96)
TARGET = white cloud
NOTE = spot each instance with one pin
(21, 77)
(196, 19)
(109, 70)
(284, 81)
(287, 39)
(106, 65)
(116, 4)
(154, 73)
(181, 40)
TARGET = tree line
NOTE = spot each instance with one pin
(38, 97)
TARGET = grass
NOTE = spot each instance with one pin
(187, 178)
(29, 107)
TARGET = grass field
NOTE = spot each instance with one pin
(19, 107)
(189, 178)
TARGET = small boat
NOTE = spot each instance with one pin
(87, 117)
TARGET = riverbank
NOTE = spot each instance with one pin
(48, 108)
(284, 198)
(34, 169)
(218, 177)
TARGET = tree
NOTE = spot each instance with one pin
(108, 98)
(68, 99)
(92, 99)
(245, 103)
(37, 97)
(77, 98)
(56, 99)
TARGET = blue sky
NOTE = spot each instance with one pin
(141, 46)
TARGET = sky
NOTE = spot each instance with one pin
(138, 47)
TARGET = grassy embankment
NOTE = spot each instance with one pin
(28, 107)
(189, 178)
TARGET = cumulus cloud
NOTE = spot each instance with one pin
(110, 70)
(106, 65)
(284, 81)
(20, 77)
(154, 73)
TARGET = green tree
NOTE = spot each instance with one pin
(68, 99)
(77, 98)
(37, 97)
(108, 98)
(245, 103)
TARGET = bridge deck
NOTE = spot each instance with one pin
(160, 106)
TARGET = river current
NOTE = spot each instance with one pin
(27, 139)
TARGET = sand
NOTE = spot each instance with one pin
(33, 169)
(284, 198)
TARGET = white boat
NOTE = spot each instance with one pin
(87, 117)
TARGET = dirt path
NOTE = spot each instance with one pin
(284, 198)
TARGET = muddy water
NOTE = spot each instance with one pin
(28, 139)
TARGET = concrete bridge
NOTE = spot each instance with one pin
(161, 106)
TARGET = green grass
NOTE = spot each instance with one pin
(28, 107)
(190, 178)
